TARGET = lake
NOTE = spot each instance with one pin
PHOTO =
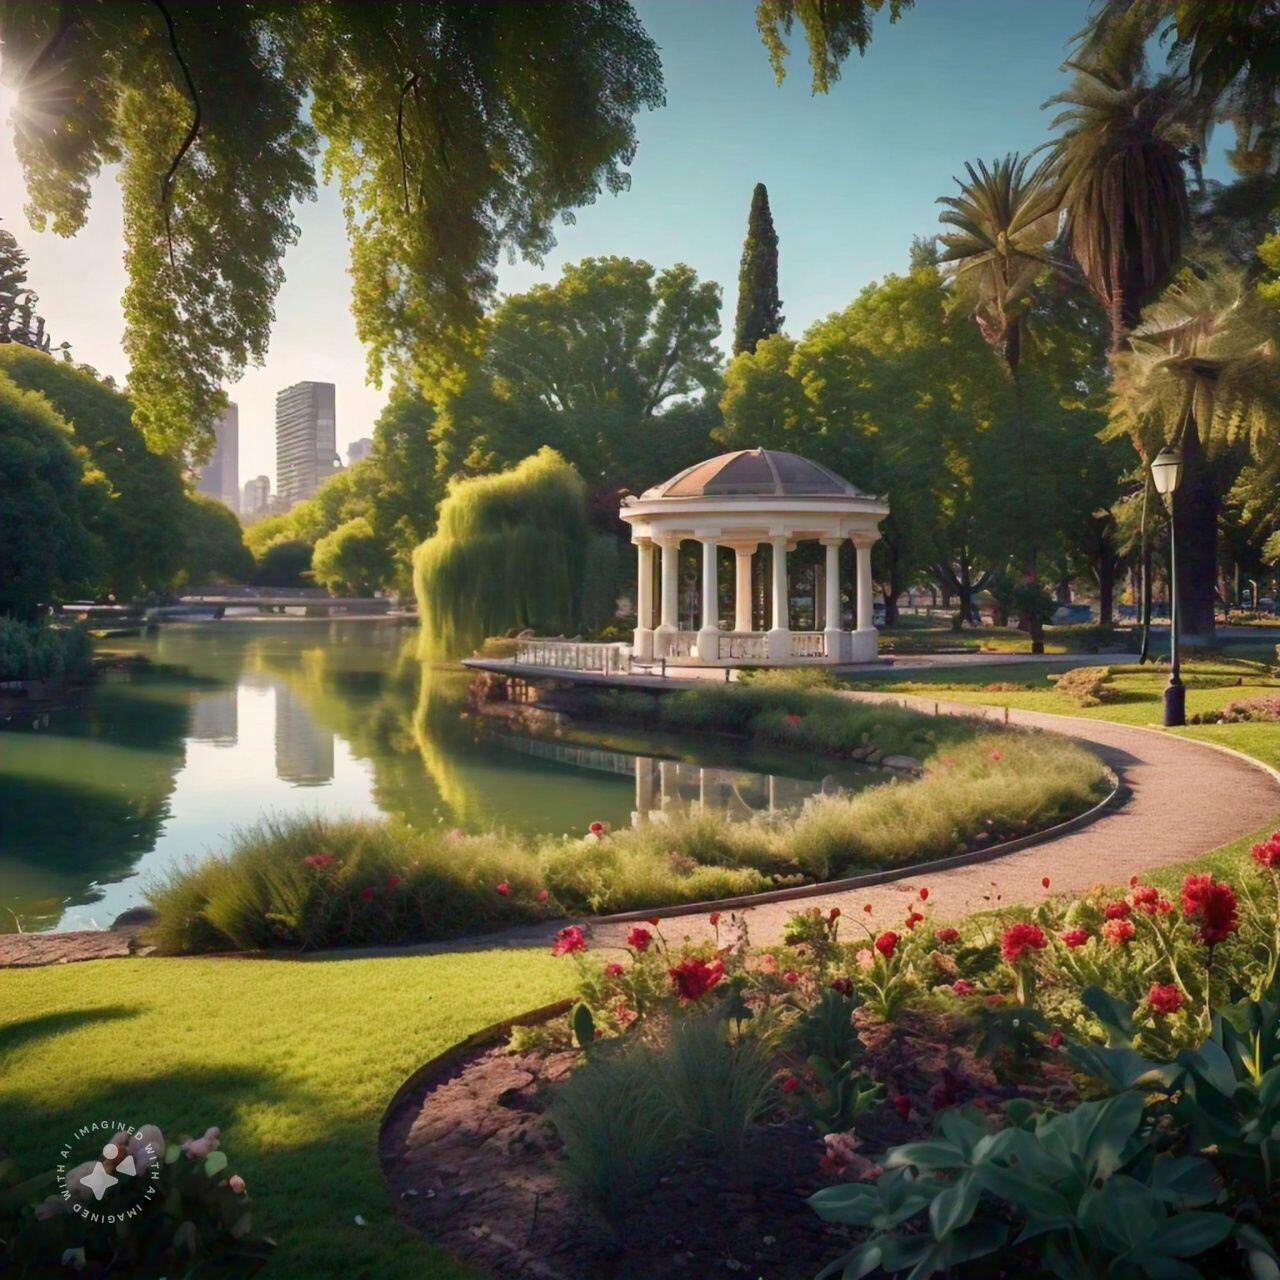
(209, 727)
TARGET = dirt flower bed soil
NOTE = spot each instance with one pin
(473, 1163)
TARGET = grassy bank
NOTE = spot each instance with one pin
(320, 883)
(295, 1062)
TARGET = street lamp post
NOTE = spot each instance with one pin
(1166, 474)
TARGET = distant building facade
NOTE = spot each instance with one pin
(306, 448)
(256, 499)
(220, 477)
(359, 450)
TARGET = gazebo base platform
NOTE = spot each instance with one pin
(751, 648)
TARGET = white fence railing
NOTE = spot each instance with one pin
(680, 644)
(743, 646)
(808, 644)
(575, 655)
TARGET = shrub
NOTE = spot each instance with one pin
(40, 651)
(1265, 710)
(1087, 686)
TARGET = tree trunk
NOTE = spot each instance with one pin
(1106, 588)
(1196, 504)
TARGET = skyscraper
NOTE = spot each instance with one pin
(256, 500)
(220, 477)
(306, 453)
(359, 450)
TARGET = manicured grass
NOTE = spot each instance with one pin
(295, 1060)
(1211, 684)
(915, 634)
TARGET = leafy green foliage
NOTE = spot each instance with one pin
(759, 309)
(38, 651)
(351, 560)
(215, 550)
(832, 31)
(285, 563)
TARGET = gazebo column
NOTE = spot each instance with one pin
(670, 623)
(866, 637)
(709, 632)
(832, 630)
(643, 642)
(742, 554)
(780, 631)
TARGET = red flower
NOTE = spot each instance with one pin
(790, 1085)
(792, 718)
(570, 938)
(714, 917)
(319, 859)
(1267, 854)
(913, 918)
(833, 914)
(994, 755)
(924, 895)
(638, 939)
(1164, 906)
(1055, 1038)
(1146, 897)
(1165, 999)
(1118, 932)
(843, 985)
(867, 908)
(613, 970)
(1019, 938)
(694, 977)
(1075, 937)
(1212, 905)
(502, 887)
(1133, 882)
(1045, 882)
(1117, 910)
(653, 920)
(791, 976)
(366, 894)
(947, 934)
(393, 881)
(543, 894)
(886, 943)
(963, 987)
(596, 828)
(902, 1105)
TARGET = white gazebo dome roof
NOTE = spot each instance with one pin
(755, 473)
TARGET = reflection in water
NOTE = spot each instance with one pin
(222, 725)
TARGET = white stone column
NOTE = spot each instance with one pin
(643, 642)
(709, 632)
(780, 631)
(866, 637)
(670, 623)
(831, 622)
(742, 587)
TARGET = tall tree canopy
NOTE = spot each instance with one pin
(759, 309)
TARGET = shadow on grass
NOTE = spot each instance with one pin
(16, 1035)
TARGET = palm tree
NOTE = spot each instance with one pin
(1119, 162)
(1202, 373)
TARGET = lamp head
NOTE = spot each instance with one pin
(1166, 471)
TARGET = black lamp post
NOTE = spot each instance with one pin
(1166, 474)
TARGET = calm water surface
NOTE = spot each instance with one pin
(228, 723)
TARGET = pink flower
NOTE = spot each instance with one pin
(886, 943)
(393, 881)
(866, 959)
(693, 977)
(1212, 905)
(1118, 932)
(1055, 1038)
(768, 963)
(1020, 938)
(1075, 937)
(993, 754)
(502, 887)
(571, 938)
(946, 934)
(236, 1183)
(1165, 999)
(791, 977)
(1117, 910)
(639, 939)
(962, 987)
(366, 894)
(319, 859)
(1267, 853)
(613, 970)
(543, 894)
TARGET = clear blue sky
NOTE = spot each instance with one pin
(851, 178)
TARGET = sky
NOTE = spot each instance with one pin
(851, 176)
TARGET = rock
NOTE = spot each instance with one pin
(909, 763)
(874, 756)
(134, 917)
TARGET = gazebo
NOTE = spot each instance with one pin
(743, 500)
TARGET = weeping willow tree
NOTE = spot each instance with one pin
(511, 550)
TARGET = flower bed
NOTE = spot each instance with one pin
(312, 883)
(974, 1099)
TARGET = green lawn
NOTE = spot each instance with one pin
(918, 634)
(1210, 685)
(294, 1060)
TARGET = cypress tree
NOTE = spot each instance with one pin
(759, 309)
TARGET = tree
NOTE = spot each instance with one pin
(589, 366)
(1202, 375)
(455, 131)
(285, 563)
(45, 547)
(759, 310)
(141, 523)
(215, 550)
(18, 320)
(352, 560)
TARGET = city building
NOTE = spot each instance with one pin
(306, 451)
(359, 450)
(220, 477)
(256, 500)
(304, 748)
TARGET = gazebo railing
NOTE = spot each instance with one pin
(680, 644)
(575, 655)
(743, 646)
(808, 644)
